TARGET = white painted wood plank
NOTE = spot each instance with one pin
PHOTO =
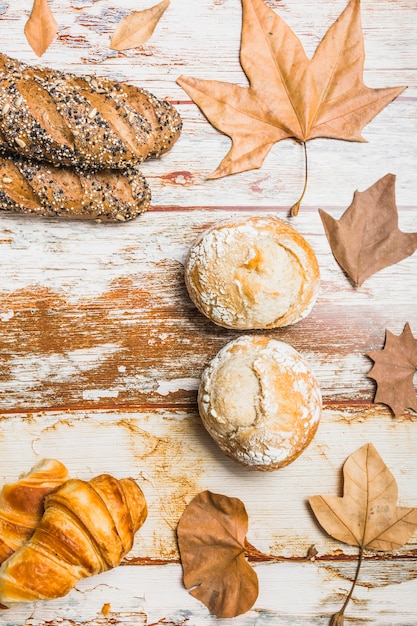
(173, 458)
(180, 42)
(35, 250)
(180, 46)
(336, 168)
(290, 594)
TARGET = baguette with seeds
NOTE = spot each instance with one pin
(82, 121)
(30, 186)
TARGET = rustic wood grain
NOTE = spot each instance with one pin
(101, 349)
(116, 339)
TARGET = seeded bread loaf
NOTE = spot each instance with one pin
(83, 121)
(30, 186)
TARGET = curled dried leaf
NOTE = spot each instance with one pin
(137, 27)
(41, 27)
(211, 538)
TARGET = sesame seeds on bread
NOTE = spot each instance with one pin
(35, 187)
(82, 121)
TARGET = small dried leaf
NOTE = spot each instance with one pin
(211, 538)
(367, 238)
(137, 27)
(41, 27)
(367, 515)
(394, 370)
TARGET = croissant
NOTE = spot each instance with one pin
(29, 186)
(21, 504)
(82, 121)
(87, 528)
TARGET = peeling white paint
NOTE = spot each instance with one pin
(32, 370)
(97, 394)
(339, 368)
(165, 387)
(5, 316)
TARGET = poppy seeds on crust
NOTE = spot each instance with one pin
(30, 186)
(82, 121)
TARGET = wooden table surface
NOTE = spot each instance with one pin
(101, 349)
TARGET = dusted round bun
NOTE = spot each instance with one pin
(260, 402)
(249, 273)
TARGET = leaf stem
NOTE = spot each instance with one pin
(338, 617)
(296, 207)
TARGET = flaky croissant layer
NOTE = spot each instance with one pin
(21, 503)
(87, 528)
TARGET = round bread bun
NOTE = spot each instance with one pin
(260, 402)
(252, 273)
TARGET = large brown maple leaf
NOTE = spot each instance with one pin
(394, 369)
(289, 95)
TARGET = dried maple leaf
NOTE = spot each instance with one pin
(367, 515)
(289, 95)
(41, 27)
(394, 370)
(211, 538)
(137, 27)
(367, 238)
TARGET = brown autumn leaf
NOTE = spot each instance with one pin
(137, 27)
(394, 369)
(211, 538)
(289, 95)
(41, 27)
(367, 238)
(367, 515)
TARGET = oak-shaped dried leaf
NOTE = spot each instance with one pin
(41, 27)
(367, 515)
(136, 28)
(366, 238)
(211, 538)
(394, 369)
(289, 95)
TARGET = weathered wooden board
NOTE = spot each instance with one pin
(101, 349)
(109, 324)
(172, 458)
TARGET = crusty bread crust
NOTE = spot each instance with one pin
(84, 121)
(252, 273)
(29, 186)
(260, 402)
